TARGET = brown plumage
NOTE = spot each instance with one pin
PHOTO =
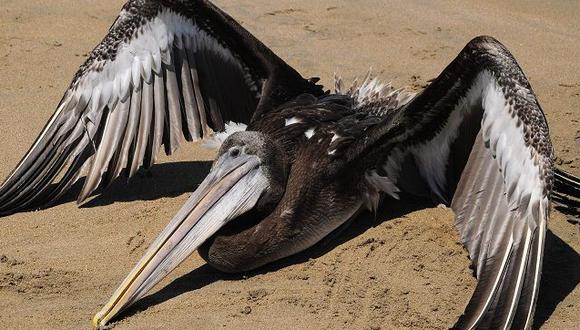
(475, 139)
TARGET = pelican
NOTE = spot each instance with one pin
(296, 162)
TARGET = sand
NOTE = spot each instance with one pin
(401, 270)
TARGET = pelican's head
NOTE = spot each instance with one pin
(249, 173)
(250, 146)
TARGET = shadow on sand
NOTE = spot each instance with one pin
(560, 275)
(162, 180)
(561, 271)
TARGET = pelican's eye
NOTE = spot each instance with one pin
(234, 152)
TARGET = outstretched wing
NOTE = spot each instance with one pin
(477, 139)
(166, 70)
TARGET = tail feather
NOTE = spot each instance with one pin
(566, 193)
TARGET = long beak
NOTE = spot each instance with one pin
(233, 187)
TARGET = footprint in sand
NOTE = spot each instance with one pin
(284, 12)
(43, 281)
(135, 242)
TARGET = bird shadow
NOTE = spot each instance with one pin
(561, 270)
(560, 276)
(161, 180)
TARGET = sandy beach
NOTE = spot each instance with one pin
(403, 270)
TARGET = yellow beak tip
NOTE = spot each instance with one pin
(96, 322)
